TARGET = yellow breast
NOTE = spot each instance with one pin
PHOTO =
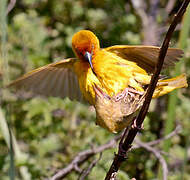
(86, 79)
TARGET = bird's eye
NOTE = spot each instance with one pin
(79, 52)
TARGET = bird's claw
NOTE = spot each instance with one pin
(134, 125)
(127, 91)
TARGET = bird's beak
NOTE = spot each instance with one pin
(88, 57)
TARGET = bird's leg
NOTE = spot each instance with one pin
(131, 90)
(124, 94)
(121, 95)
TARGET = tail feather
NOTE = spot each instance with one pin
(168, 85)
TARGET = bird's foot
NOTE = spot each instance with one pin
(131, 90)
(127, 92)
(134, 125)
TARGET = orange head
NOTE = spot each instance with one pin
(85, 41)
(85, 44)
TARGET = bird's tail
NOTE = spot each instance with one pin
(168, 85)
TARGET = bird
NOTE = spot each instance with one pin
(113, 79)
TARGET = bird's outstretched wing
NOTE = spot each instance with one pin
(57, 79)
(146, 56)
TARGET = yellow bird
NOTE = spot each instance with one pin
(112, 79)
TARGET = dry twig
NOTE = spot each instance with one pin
(11, 5)
(158, 155)
(158, 141)
(82, 157)
(148, 16)
(170, 6)
(87, 171)
(79, 159)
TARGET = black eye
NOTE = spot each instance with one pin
(79, 52)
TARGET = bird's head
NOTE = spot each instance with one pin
(85, 44)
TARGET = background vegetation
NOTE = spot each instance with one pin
(48, 133)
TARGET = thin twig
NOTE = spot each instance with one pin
(121, 157)
(158, 141)
(87, 171)
(82, 157)
(74, 165)
(158, 155)
(174, 132)
(170, 6)
(148, 17)
(11, 5)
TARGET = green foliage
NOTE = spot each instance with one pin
(50, 132)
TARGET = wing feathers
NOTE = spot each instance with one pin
(56, 79)
(146, 56)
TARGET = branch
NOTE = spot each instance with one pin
(126, 145)
(174, 132)
(82, 157)
(11, 5)
(79, 159)
(148, 19)
(170, 5)
(158, 155)
(158, 141)
(87, 171)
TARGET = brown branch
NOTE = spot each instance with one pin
(176, 131)
(148, 19)
(158, 155)
(126, 145)
(86, 172)
(82, 157)
(170, 5)
(78, 160)
(158, 141)
(11, 5)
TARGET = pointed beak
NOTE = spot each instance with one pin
(88, 57)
